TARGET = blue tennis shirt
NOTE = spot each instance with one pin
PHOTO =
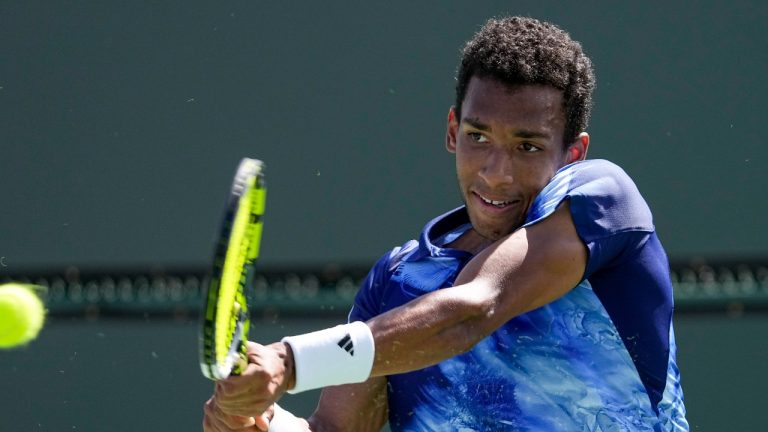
(600, 358)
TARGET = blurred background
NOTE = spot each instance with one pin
(121, 124)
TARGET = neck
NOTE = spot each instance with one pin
(470, 241)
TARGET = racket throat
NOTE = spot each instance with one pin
(237, 357)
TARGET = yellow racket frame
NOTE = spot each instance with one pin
(225, 311)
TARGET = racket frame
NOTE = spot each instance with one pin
(220, 318)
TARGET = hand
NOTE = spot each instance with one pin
(267, 377)
(216, 420)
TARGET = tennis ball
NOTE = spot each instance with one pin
(21, 314)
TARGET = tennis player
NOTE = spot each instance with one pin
(542, 304)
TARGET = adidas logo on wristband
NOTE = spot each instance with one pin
(346, 344)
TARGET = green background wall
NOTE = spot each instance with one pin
(121, 124)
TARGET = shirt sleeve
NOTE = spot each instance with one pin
(368, 299)
(609, 214)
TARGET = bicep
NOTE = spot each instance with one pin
(352, 407)
(531, 267)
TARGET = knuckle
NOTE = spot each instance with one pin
(252, 346)
(207, 426)
(208, 408)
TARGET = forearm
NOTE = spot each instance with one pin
(358, 407)
(427, 330)
(431, 328)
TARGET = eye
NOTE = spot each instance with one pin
(477, 137)
(529, 148)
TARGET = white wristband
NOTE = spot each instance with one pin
(282, 421)
(334, 356)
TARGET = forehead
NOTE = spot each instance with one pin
(531, 105)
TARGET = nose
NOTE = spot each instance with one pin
(497, 170)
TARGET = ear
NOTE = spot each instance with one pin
(578, 149)
(452, 131)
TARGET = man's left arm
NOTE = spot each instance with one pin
(531, 267)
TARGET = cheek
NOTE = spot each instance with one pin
(536, 178)
(462, 174)
(466, 162)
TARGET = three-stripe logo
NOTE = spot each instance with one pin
(346, 344)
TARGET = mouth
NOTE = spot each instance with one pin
(499, 204)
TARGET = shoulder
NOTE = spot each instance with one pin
(388, 262)
(368, 301)
(420, 265)
(604, 199)
(598, 178)
(587, 178)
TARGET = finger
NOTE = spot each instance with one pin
(241, 405)
(216, 420)
(214, 424)
(211, 421)
(241, 384)
(237, 422)
(208, 407)
(232, 421)
(261, 423)
(243, 410)
(253, 390)
(252, 347)
(210, 424)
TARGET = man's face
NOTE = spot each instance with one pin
(508, 145)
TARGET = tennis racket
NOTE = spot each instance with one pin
(224, 319)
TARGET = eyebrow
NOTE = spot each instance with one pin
(477, 124)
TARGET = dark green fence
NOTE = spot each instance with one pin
(119, 351)
(732, 287)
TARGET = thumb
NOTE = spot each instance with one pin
(261, 422)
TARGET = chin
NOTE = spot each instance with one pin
(492, 231)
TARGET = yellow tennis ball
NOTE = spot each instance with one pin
(21, 314)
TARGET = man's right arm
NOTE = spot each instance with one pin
(352, 407)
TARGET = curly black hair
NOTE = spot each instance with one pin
(520, 51)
